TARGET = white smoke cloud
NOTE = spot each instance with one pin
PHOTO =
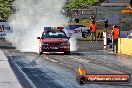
(73, 44)
(30, 18)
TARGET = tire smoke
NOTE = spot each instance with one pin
(73, 44)
(29, 19)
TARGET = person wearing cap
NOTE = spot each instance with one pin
(115, 36)
(93, 28)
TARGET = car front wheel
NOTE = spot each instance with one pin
(40, 53)
(67, 52)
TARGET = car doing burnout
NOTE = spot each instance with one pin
(54, 40)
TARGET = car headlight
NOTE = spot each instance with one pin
(65, 44)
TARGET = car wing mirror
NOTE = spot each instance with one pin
(38, 37)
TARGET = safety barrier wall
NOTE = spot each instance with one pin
(99, 35)
(125, 46)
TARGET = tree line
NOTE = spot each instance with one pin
(77, 4)
(6, 9)
(6, 6)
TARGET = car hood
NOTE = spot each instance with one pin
(47, 40)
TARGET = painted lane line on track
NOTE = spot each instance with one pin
(47, 58)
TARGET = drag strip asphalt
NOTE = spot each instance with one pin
(60, 70)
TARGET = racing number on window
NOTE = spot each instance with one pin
(100, 35)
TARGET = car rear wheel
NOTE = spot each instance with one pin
(40, 53)
(67, 52)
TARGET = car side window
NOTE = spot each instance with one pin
(44, 35)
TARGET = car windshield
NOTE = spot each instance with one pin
(54, 35)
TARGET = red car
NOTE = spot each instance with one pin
(53, 40)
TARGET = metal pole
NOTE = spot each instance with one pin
(105, 40)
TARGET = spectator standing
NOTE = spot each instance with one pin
(93, 28)
(115, 36)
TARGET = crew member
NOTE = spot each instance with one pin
(93, 28)
(115, 36)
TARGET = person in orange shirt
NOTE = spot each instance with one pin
(93, 28)
(115, 36)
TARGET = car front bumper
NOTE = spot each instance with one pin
(55, 49)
